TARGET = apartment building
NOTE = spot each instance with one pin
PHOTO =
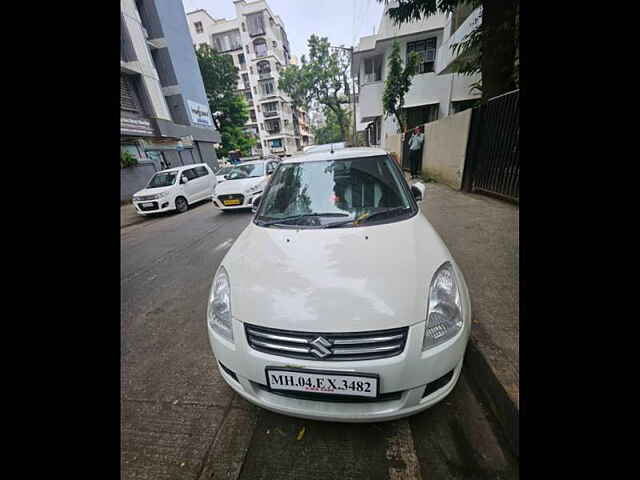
(164, 114)
(257, 42)
(435, 92)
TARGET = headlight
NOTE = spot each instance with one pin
(444, 313)
(161, 195)
(219, 307)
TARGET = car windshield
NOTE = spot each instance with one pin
(248, 170)
(223, 171)
(162, 179)
(335, 193)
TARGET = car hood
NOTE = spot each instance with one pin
(152, 191)
(238, 186)
(334, 280)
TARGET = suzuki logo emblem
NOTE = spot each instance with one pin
(319, 347)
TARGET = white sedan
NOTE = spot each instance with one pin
(356, 311)
(243, 184)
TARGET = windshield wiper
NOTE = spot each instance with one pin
(368, 217)
(305, 215)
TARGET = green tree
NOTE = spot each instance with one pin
(497, 36)
(321, 78)
(230, 110)
(331, 131)
(397, 83)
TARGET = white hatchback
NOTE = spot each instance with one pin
(175, 189)
(244, 183)
(355, 311)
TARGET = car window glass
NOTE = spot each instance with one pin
(355, 188)
(201, 171)
(190, 173)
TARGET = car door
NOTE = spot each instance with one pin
(191, 187)
(203, 182)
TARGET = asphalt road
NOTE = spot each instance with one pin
(179, 419)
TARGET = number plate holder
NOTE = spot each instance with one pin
(322, 382)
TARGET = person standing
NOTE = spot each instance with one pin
(415, 150)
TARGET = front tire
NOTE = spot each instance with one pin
(181, 204)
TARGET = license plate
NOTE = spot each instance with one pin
(322, 382)
(148, 204)
(231, 202)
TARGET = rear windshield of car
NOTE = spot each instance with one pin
(248, 170)
(162, 179)
(345, 193)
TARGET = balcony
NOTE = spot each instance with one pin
(265, 75)
(271, 114)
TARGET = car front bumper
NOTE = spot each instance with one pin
(164, 205)
(404, 378)
(247, 202)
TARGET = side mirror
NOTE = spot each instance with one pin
(418, 189)
(255, 205)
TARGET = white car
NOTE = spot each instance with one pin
(355, 311)
(325, 147)
(243, 184)
(175, 189)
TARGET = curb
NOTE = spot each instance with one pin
(499, 389)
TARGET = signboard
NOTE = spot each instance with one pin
(135, 126)
(200, 114)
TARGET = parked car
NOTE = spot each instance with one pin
(339, 301)
(243, 184)
(221, 172)
(175, 189)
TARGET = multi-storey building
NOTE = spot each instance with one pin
(164, 114)
(435, 92)
(257, 41)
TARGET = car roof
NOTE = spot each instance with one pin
(340, 154)
(325, 147)
(182, 167)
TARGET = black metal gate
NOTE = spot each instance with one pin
(492, 163)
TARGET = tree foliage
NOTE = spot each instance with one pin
(229, 109)
(331, 131)
(497, 34)
(321, 78)
(398, 83)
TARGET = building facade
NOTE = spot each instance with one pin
(257, 42)
(164, 114)
(435, 92)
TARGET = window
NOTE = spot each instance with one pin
(245, 80)
(273, 125)
(427, 50)
(260, 46)
(373, 69)
(267, 87)
(338, 190)
(275, 44)
(277, 143)
(256, 24)
(190, 173)
(224, 42)
(420, 115)
(201, 171)
(255, 91)
(244, 29)
(198, 26)
(241, 59)
(250, 68)
(252, 114)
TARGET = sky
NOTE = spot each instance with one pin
(342, 21)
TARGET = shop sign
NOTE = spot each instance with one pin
(200, 115)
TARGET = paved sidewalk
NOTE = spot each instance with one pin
(482, 235)
(128, 216)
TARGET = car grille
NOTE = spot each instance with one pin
(234, 196)
(327, 346)
(144, 208)
(145, 197)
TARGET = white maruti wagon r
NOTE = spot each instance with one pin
(356, 310)
(175, 189)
